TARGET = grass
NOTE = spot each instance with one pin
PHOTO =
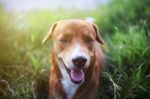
(127, 70)
(24, 63)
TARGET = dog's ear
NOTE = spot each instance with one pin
(98, 36)
(49, 34)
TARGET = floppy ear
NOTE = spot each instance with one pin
(98, 37)
(49, 34)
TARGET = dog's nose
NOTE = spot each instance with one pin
(79, 61)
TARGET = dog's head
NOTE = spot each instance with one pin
(73, 46)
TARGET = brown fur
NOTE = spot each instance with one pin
(77, 29)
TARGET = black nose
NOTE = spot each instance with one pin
(79, 61)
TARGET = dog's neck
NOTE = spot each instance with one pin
(69, 87)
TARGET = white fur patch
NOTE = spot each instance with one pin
(77, 52)
(69, 87)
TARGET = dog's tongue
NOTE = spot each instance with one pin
(77, 75)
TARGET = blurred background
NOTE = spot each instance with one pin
(24, 62)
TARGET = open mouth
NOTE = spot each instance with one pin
(76, 75)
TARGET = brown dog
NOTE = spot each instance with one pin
(77, 59)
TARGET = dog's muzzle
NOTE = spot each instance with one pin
(76, 75)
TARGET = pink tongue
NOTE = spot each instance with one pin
(77, 75)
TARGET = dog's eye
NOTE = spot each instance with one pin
(89, 40)
(63, 40)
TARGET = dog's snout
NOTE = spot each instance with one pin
(79, 61)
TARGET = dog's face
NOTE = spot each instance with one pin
(73, 46)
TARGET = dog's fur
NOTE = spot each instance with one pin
(73, 38)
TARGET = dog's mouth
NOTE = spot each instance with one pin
(77, 75)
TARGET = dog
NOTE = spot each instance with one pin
(77, 59)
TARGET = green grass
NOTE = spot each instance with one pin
(127, 69)
(24, 62)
